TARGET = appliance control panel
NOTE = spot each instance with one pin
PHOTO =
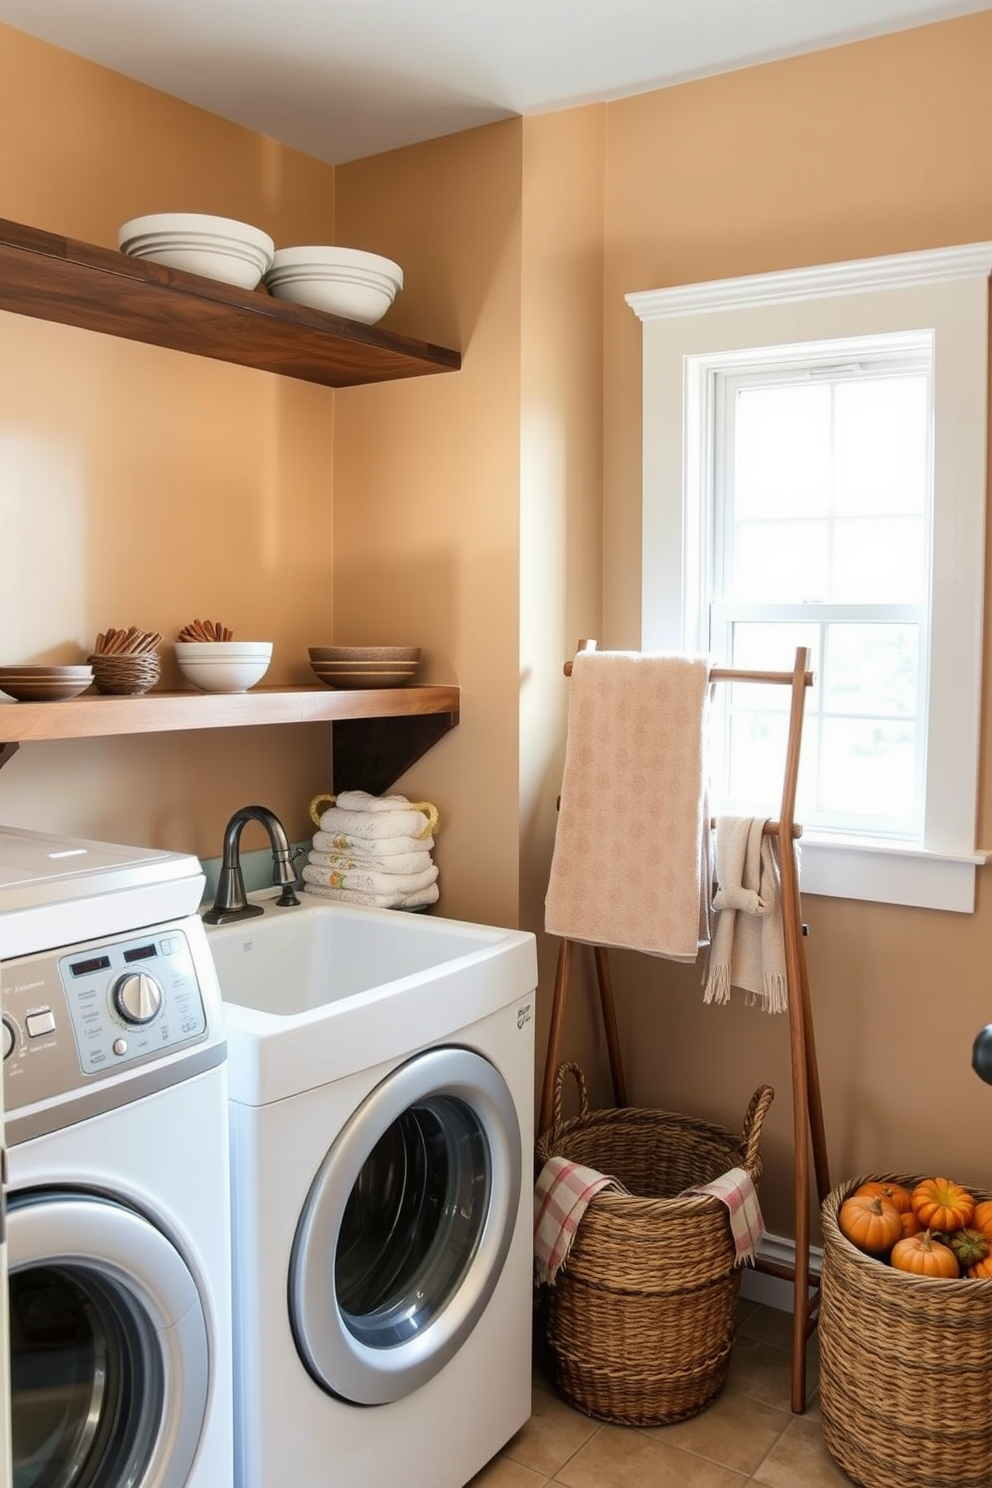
(93, 1008)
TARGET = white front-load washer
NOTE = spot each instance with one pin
(118, 1200)
(382, 1199)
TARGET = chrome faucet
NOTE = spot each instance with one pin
(230, 900)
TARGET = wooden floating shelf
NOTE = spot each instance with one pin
(377, 733)
(101, 715)
(100, 289)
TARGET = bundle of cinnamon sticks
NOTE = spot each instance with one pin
(205, 630)
(130, 642)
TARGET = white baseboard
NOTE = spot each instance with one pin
(757, 1286)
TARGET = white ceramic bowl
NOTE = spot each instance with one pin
(223, 666)
(215, 247)
(344, 281)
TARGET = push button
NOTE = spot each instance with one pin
(40, 1023)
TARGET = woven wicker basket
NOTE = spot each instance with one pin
(905, 1366)
(640, 1321)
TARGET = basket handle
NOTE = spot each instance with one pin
(754, 1118)
(429, 810)
(568, 1068)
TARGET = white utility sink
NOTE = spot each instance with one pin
(321, 989)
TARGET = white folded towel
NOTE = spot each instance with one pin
(375, 826)
(411, 862)
(421, 897)
(369, 883)
(371, 849)
(748, 946)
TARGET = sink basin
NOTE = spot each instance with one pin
(319, 990)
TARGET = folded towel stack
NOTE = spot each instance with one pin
(372, 850)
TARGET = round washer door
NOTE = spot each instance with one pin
(109, 1354)
(406, 1228)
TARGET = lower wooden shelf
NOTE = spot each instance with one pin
(377, 733)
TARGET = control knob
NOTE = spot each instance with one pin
(9, 1035)
(137, 997)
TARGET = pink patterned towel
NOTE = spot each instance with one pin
(630, 865)
(736, 1190)
(561, 1194)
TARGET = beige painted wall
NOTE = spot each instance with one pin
(426, 511)
(875, 148)
(142, 486)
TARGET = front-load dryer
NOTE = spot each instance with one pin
(118, 1209)
(382, 1197)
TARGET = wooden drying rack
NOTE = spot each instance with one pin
(807, 1108)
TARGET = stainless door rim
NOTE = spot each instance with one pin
(339, 1361)
(89, 1233)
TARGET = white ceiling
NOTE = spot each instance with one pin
(342, 79)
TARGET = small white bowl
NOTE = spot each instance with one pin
(343, 281)
(223, 666)
(215, 247)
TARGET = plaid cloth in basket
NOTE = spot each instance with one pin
(735, 1189)
(561, 1195)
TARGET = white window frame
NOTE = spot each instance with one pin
(946, 292)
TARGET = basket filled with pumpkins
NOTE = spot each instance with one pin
(905, 1330)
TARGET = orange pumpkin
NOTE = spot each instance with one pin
(894, 1192)
(922, 1255)
(910, 1224)
(982, 1218)
(982, 1270)
(941, 1204)
(869, 1222)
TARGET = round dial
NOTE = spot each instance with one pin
(9, 1037)
(137, 997)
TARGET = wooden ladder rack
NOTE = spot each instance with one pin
(808, 1128)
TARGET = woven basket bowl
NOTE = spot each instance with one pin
(640, 1321)
(126, 676)
(905, 1365)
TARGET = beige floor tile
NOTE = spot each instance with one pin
(799, 1459)
(766, 1325)
(554, 1433)
(736, 1431)
(765, 1372)
(502, 1473)
(617, 1457)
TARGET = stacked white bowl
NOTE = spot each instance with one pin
(223, 666)
(344, 281)
(216, 247)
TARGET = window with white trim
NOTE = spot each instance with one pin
(814, 474)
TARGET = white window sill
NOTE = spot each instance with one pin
(889, 873)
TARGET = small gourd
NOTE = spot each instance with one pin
(970, 1246)
(941, 1204)
(895, 1192)
(982, 1270)
(923, 1256)
(870, 1222)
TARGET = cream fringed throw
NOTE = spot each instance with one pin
(748, 947)
(631, 857)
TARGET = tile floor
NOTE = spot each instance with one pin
(748, 1434)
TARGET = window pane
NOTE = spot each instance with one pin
(782, 451)
(872, 670)
(868, 768)
(775, 562)
(881, 445)
(879, 562)
(758, 647)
